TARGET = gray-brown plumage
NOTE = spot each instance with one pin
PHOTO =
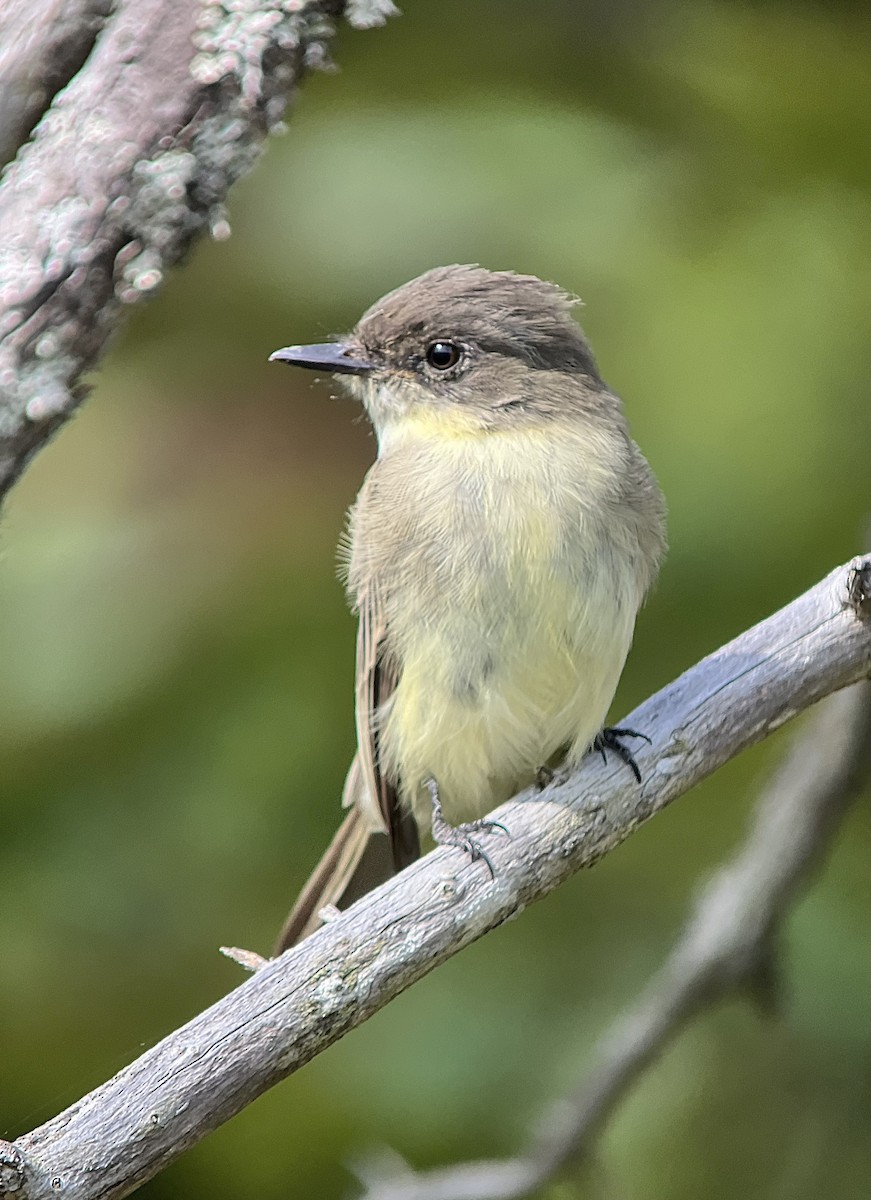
(498, 553)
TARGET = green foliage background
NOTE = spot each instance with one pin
(175, 697)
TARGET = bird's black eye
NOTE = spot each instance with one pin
(442, 355)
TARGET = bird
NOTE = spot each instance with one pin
(496, 557)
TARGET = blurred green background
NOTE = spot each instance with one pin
(176, 690)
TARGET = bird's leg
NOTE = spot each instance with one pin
(543, 776)
(609, 739)
(445, 834)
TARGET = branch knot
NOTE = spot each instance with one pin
(12, 1169)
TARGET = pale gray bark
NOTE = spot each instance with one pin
(43, 43)
(729, 943)
(292, 1008)
(166, 104)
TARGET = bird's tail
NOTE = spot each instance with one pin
(356, 860)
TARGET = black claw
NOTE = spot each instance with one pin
(609, 739)
(476, 851)
(623, 732)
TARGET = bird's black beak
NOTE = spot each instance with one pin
(333, 357)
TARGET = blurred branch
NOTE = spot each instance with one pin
(297, 1005)
(150, 110)
(42, 46)
(728, 944)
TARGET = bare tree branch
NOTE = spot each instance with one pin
(43, 43)
(130, 163)
(295, 1006)
(727, 944)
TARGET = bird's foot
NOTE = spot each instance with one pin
(543, 776)
(609, 739)
(445, 834)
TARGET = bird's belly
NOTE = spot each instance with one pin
(509, 599)
(491, 692)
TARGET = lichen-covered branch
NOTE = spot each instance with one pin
(295, 1006)
(729, 943)
(166, 104)
(43, 43)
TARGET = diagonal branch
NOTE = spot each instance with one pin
(727, 944)
(132, 161)
(294, 1007)
(43, 43)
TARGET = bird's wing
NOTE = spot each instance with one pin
(377, 678)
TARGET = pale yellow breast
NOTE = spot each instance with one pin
(509, 605)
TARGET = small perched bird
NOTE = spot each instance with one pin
(498, 553)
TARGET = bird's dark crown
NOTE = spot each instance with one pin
(490, 312)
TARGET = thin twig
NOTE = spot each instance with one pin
(127, 1130)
